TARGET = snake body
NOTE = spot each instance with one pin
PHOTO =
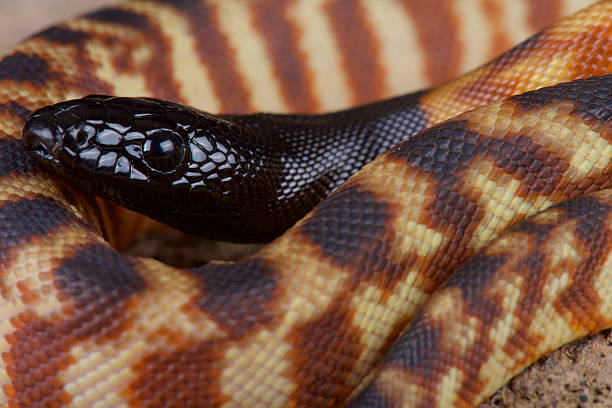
(244, 178)
(346, 306)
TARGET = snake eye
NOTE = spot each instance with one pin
(163, 150)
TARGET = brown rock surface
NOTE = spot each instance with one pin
(577, 375)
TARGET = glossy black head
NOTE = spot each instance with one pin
(148, 155)
(98, 136)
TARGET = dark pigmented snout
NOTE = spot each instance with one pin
(40, 134)
(60, 129)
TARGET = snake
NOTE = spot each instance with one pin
(429, 278)
(239, 178)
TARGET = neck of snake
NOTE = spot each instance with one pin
(323, 151)
(300, 159)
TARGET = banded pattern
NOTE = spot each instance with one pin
(303, 321)
(240, 199)
(240, 73)
(551, 269)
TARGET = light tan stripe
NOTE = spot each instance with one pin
(29, 286)
(506, 287)
(102, 373)
(537, 69)
(11, 124)
(448, 387)
(318, 43)
(377, 313)
(447, 310)
(571, 6)
(547, 324)
(410, 196)
(400, 49)
(252, 60)
(259, 367)
(36, 273)
(498, 199)
(580, 145)
(399, 386)
(125, 84)
(515, 21)
(16, 187)
(257, 371)
(192, 77)
(475, 33)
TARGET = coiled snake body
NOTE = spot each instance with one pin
(346, 306)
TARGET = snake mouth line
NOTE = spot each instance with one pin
(41, 151)
(46, 157)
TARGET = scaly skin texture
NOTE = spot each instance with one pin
(240, 178)
(303, 321)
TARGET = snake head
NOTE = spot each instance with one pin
(146, 154)
(99, 136)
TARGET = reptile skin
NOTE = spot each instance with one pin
(239, 178)
(346, 306)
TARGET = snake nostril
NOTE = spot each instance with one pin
(79, 136)
(39, 133)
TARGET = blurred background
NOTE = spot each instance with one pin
(19, 19)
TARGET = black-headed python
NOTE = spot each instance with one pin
(310, 319)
